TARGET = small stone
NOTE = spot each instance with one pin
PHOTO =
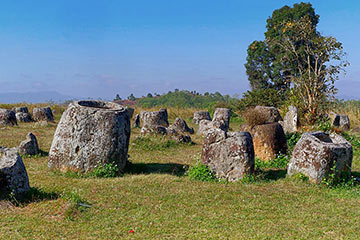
(29, 146)
(316, 153)
(13, 175)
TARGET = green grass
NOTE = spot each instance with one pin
(157, 200)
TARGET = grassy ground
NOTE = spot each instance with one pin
(157, 201)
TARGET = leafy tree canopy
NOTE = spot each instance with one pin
(265, 66)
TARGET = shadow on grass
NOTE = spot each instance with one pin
(33, 195)
(272, 174)
(162, 168)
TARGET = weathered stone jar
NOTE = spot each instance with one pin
(89, 134)
(7, 117)
(316, 153)
(229, 154)
(13, 175)
(154, 122)
(201, 115)
(43, 114)
(269, 140)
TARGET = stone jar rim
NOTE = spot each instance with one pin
(336, 140)
(100, 105)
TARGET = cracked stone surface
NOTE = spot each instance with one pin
(316, 153)
(13, 175)
(291, 121)
(90, 133)
(229, 154)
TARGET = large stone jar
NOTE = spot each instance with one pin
(89, 134)
(229, 154)
(269, 140)
(316, 153)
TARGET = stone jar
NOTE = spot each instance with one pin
(201, 115)
(7, 117)
(43, 114)
(229, 154)
(269, 140)
(13, 175)
(89, 134)
(271, 114)
(154, 122)
(316, 153)
(221, 118)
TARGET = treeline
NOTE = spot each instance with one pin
(187, 99)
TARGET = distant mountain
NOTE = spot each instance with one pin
(34, 97)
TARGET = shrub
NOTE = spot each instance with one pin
(254, 117)
(263, 97)
(324, 124)
(201, 172)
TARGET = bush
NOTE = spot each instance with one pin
(254, 117)
(263, 97)
(324, 124)
(201, 172)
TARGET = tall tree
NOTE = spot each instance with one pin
(264, 66)
(316, 60)
(296, 59)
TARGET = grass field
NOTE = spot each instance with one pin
(156, 200)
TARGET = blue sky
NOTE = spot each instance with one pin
(101, 48)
